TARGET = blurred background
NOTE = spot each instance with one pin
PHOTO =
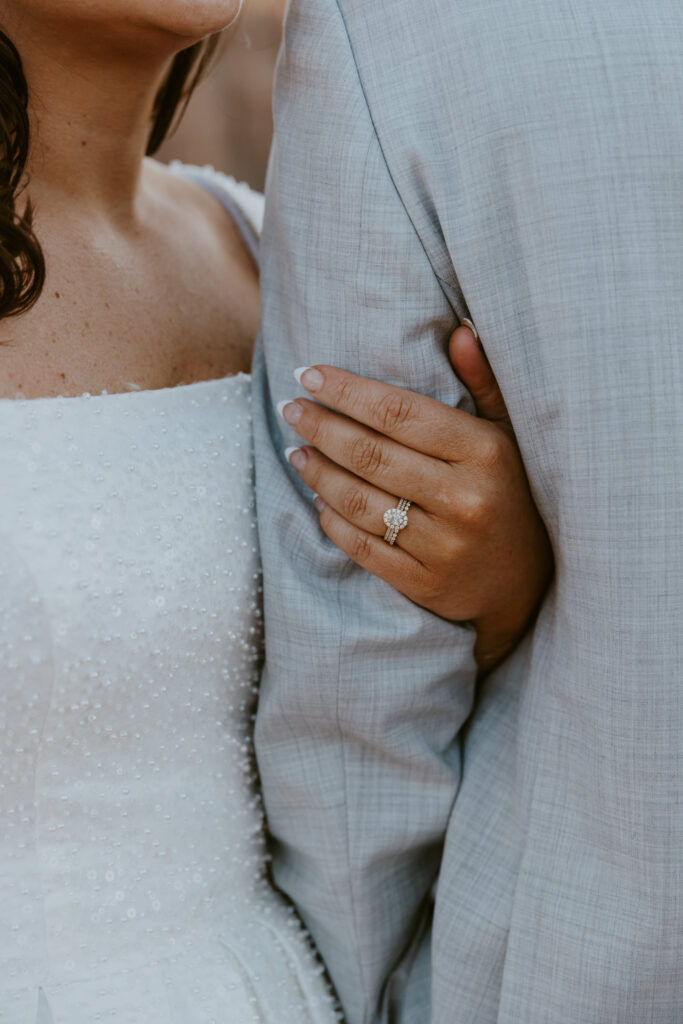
(228, 123)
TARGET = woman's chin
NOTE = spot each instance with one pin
(187, 20)
(193, 19)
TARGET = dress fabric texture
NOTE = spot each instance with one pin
(132, 864)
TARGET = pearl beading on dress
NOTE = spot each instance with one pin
(133, 870)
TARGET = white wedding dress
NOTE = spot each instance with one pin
(132, 865)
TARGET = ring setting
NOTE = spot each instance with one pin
(395, 520)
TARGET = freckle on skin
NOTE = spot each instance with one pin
(57, 295)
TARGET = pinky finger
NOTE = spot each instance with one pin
(390, 563)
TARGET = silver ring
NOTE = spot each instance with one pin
(466, 322)
(395, 520)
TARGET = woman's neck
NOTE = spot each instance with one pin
(90, 114)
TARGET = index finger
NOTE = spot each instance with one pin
(416, 421)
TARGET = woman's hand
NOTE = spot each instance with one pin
(475, 548)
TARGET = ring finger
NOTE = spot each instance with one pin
(360, 503)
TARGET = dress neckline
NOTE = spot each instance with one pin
(134, 393)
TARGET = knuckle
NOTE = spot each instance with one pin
(314, 429)
(491, 395)
(361, 550)
(491, 451)
(355, 503)
(344, 392)
(394, 411)
(474, 510)
(314, 470)
(445, 496)
(366, 455)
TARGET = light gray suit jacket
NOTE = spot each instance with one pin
(520, 161)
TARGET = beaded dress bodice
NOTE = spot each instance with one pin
(132, 867)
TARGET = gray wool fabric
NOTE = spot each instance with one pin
(520, 163)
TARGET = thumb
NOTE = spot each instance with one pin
(474, 370)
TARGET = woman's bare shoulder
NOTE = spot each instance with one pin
(190, 183)
(248, 200)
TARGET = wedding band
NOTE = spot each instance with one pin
(395, 520)
(466, 322)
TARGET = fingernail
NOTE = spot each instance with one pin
(296, 457)
(466, 322)
(319, 503)
(290, 411)
(312, 380)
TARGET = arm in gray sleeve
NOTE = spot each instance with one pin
(363, 694)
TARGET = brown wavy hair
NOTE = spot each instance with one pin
(22, 264)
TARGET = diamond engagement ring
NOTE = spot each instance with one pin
(395, 520)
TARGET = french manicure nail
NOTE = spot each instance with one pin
(290, 411)
(319, 503)
(310, 379)
(466, 322)
(296, 457)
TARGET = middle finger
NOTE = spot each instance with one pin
(371, 456)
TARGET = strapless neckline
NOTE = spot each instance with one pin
(185, 390)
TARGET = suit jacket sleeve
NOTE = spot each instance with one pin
(363, 694)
